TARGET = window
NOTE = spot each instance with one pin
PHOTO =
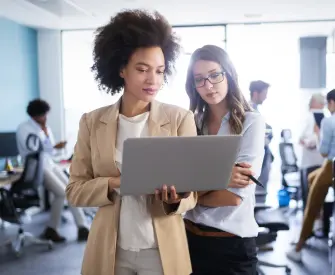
(270, 52)
(80, 91)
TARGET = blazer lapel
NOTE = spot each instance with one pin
(106, 137)
(159, 123)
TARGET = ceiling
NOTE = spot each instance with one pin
(88, 14)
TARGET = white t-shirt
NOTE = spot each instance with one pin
(310, 157)
(136, 230)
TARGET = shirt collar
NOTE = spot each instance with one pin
(33, 122)
(36, 125)
(316, 110)
(226, 117)
(253, 105)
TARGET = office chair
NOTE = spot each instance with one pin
(289, 166)
(273, 220)
(22, 195)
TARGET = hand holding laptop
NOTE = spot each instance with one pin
(169, 195)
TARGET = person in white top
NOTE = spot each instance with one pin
(311, 159)
(311, 156)
(221, 229)
(35, 135)
(133, 53)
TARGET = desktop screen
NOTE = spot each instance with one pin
(8, 146)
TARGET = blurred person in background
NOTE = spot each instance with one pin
(311, 158)
(319, 180)
(258, 94)
(35, 135)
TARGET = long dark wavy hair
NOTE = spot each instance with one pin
(236, 102)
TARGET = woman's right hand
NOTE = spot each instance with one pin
(114, 182)
(239, 176)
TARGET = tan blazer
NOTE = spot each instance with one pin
(93, 163)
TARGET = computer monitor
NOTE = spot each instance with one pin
(8, 146)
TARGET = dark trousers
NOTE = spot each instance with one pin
(222, 255)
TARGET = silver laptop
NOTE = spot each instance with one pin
(200, 163)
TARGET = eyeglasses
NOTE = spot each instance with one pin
(213, 78)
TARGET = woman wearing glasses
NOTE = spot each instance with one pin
(221, 229)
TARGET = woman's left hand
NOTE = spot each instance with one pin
(169, 195)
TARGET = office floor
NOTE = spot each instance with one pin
(66, 259)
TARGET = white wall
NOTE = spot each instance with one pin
(50, 78)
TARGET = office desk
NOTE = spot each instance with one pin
(9, 180)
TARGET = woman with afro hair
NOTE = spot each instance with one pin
(144, 235)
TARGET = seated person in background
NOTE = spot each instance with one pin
(258, 94)
(35, 135)
(320, 180)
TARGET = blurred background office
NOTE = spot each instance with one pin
(46, 52)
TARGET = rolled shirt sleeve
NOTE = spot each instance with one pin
(325, 136)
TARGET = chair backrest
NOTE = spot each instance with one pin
(286, 135)
(32, 176)
(288, 157)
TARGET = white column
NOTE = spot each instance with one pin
(50, 78)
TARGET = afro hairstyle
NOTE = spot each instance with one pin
(126, 32)
(38, 107)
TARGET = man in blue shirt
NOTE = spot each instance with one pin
(320, 180)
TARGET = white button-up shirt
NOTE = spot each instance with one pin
(238, 220)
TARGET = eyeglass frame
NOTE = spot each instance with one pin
(223, 73)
